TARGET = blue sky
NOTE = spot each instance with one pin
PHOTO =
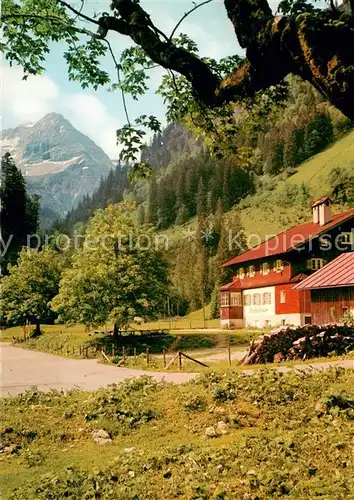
(98, 114)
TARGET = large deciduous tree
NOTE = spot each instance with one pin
(316, 44)
(117, 275)
(29, 287)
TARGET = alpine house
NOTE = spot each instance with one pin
(263, 291)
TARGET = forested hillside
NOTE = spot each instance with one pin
(196, 198)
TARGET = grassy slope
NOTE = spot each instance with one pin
(266, 219)
(286, 436)
(258, 213)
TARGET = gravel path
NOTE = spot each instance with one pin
(22, 369)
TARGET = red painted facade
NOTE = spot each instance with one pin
(231, 312)
(329, 305)
(296, 301)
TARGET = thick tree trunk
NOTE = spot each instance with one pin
(115, 330)
(37, 330)
(319, 47)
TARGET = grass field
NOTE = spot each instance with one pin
(271, 436)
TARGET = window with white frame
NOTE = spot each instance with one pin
(282, 296)
(347, 238)
(247, 300)
(235, 299)
(278, 266)
(225, 299)
(256, 299)
(251, 271)
(265, 268)
(314, 264)
(266, 298)
(241, 273)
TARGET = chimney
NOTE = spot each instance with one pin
(321, 211)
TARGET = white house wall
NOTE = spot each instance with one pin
(264, 315)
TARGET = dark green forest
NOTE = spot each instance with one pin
(19, 211)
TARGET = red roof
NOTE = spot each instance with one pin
(236, 284)
(290, 239)
(321, 201)
(339, 272)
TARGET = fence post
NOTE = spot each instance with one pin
(113, 350)
(164, 358)
(147, 355)
(229, 354)
(134, 354)
(124, 354)
(180, 360)
(73, 350)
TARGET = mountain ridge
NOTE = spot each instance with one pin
(60, 163)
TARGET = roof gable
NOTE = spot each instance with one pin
(290, 239)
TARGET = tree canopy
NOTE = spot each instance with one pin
(117, 275)
(29, 287)
(316, 44)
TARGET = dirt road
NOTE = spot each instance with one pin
(22, 369)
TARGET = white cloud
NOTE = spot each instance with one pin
(25, 100)
(30, 100)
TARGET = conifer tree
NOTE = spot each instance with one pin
(19, 211)
(141, 214)
(291, 150)
(182, 215)
(227, 194)
(201, 201)
(152, 210)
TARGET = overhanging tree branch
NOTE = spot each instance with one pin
(317, 46)
(77, 12)
(314, 46)
(186, 15)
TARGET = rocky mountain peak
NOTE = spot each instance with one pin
(60, 163)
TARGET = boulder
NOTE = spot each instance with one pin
(101, 437)
(221, 428)
(210, 432)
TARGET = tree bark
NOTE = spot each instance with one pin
(115, 330)
(37, 330)
(318, 47)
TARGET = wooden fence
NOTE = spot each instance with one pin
(110, 352)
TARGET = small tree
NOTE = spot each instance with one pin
(29, 287)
